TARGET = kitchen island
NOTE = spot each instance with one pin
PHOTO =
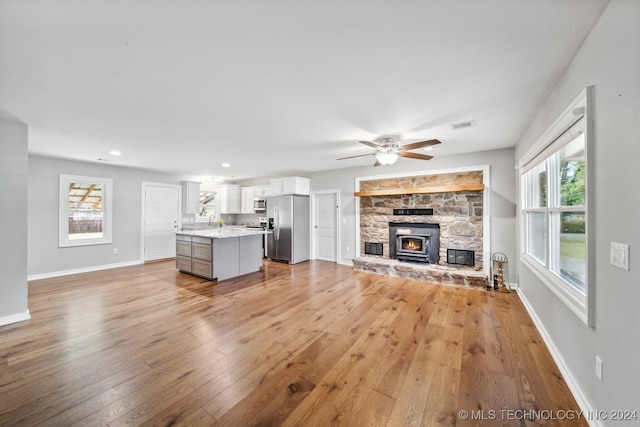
(219, 253)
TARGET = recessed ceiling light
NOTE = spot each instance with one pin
(218, 179)
(115, 153)
(428, 148)
(226, 165)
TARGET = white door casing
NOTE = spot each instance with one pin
(161, 219)
(325, 225)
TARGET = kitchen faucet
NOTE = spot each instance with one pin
(211, 220)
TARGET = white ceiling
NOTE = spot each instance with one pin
(278, 87)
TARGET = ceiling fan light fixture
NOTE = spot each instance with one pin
(387, 158)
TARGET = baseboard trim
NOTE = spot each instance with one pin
(575, 389)
(15, 318)
(82, 270)
(348, 263)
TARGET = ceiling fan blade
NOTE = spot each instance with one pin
(415, 155)
(377, 163)
(359, 155)
(420, 144)
(370, 144)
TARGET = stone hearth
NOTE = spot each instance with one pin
(427, 272)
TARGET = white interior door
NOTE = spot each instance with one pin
(325, 227)
(161, 211)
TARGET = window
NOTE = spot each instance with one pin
(555, 178)
(85, 211)
(207, 206)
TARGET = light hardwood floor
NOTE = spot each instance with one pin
(315, 344)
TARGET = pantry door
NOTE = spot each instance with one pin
(161, 217)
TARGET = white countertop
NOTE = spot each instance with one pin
(227, 232)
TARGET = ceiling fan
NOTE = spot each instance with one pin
(388, 150)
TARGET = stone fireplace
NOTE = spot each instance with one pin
(458, 214)
(428, 228)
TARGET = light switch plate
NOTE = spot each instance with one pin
(619, 255)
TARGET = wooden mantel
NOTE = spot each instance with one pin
(421, 190)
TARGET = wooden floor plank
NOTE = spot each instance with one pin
(376, 411)
(271, 401)
(344, 387)
(441, 408)
(311, 344)
(396, 361)
(411, 401)
(473, 393)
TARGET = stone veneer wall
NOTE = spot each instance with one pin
(458, 213)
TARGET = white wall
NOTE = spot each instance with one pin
(610, 60)
(13, 222)
(502, 197)
(45, 257)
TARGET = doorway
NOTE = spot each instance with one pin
(160, 220)
(325, 220)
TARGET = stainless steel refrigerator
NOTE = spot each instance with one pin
(290, 228)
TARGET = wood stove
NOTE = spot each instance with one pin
(413, 248)
(417, 242)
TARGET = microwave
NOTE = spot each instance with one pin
(259, 204)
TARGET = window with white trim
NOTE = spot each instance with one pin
(85, 211)
(555, 209)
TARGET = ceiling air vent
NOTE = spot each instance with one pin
(105, 160)
(463, 125)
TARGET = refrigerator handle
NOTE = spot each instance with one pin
(277, 223)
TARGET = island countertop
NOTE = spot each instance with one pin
(227, 232)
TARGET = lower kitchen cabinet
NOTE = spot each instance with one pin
(201, 268)
(219, 258)
(194, 255)
(183, 264)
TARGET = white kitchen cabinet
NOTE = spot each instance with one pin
(247, 193)
(262, 190)
(276, 186)
(190, 197)
(230, 199)
(290, 185)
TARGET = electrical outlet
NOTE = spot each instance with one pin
(619, 255)
(348, 249)
(115, 251)
(599, 367)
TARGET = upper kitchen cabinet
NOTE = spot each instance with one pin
(247, 195)
(262, 190)
(190, 197)
(230, 198)
(290, 185)
(250, 194)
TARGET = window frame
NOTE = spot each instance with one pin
(544, 150)
(63, 225)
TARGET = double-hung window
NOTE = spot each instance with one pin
(555, 182)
